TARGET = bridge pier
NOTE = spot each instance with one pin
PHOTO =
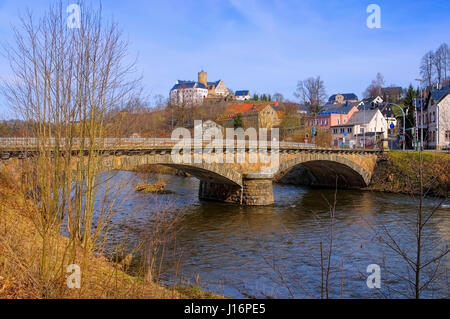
(256, 190)
(219, 192)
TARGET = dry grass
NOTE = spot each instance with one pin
(398, 172)
(20, 257)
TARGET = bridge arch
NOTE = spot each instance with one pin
(324, 167)
(216, 173)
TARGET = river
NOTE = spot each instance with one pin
(274, 251)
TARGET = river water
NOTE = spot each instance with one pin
(275, 251)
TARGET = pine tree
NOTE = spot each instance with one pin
(408, 103)
(237, 121)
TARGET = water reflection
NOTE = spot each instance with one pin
(274, 251)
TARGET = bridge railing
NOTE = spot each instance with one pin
(25, 142)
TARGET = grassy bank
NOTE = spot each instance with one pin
(20, 261)
(398, 172)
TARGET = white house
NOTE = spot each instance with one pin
(188, 93)
(437, 119)
(243, 95)
(364, 128)
(370, 101)
(193, 93)
(210, 130)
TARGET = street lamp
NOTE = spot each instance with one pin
(404, 122)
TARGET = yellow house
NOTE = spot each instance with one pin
(256, 115)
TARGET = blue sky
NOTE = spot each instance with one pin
(267, 46)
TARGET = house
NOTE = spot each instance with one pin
(208, 129)
(302, 109)
(342, 98)
(193, 93)
(364, 129)
(385, 109)
(435, 119)
(243, 95)
(337, 115)
(256, 115)
(370, 101)
(392, 94)
(188, 93)
(217, 89)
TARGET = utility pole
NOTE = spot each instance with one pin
(364, 129)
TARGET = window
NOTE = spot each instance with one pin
(339, 121)
(362, 130)
(335, 131)
(342, 130)
(349, 130)
(447, 136)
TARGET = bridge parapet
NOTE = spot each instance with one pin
(241, 183)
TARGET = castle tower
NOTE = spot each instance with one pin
(202, 78)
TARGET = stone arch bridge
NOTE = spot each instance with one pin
(240, 183)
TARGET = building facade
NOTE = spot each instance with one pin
(243, 95)
(254, 115)
(191, 93)
(435, 120)
(188, 93)
(392, 94)
(337, 115)
(363, 129)
(342, 98)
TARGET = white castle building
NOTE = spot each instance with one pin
(190, 93)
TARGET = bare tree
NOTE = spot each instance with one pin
(425, 262)
(442, 63)
(278, 97)
(312, 93)
(427, 68)
(374, 89)
(64, 83)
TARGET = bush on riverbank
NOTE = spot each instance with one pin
(398, 172)
(20, 259)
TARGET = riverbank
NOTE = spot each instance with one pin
(21, 262)
(398, 172)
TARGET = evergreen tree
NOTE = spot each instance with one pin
(408, 103)
(255, 97)
(237, 121)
